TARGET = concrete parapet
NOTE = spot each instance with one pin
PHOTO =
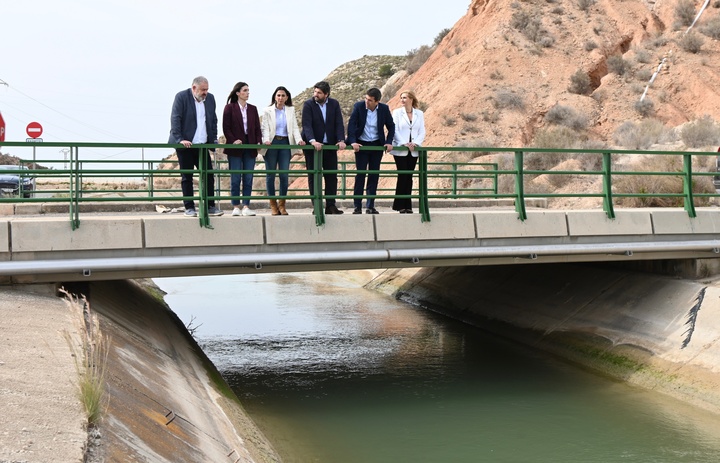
(54, 234)
(677, 221)
(4, 236)
(507, 224)
(596, 223)
(302, 229)
(442, 226)
(165, 231)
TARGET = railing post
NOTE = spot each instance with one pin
(75, 187)
(454, 179)
(317, 198)
(687, 185)
(202, 181)
(495, 179)
(423, 203)
(519, 188)
(607, 186)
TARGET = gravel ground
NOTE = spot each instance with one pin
(41, 417)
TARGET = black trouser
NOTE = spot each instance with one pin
(404, 182)
(367, 160)
(329, 162)
(189, 158)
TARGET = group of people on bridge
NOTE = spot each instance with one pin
(194, 121)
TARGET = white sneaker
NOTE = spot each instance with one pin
(247, 212)
(236, 212)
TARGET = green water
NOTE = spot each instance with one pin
(334, 373)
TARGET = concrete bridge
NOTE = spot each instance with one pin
(44, 248)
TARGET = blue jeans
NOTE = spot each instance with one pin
(277, 159)
(367, 160)
(246, 161)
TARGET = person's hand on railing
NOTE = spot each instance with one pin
(411, 145)
(388, 147)
(317, 145)
(237, 142)
(186, 143)
(341, 145)
(356, 146)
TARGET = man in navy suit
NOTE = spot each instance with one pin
(366, 127)
(193, 121)
(322, 124)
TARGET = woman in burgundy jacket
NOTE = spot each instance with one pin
(241, 125)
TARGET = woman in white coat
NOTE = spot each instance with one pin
(279, 127)
(410, 132)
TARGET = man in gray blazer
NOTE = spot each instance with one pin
(193, 121)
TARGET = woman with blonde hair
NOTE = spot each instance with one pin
(409, 132)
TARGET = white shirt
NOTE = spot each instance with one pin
(201, 135)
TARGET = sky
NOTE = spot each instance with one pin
(107, 71)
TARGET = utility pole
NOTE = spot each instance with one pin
(65, 152)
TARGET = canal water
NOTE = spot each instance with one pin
(334, 373)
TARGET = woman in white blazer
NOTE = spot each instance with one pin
(410, 132)
(279, 127)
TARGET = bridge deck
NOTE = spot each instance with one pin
(41, 248)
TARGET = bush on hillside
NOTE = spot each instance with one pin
(644, 107)
(700, 133)
(684, 13)
(441, 35)
(618, 65)
(691, 42)
(712, 28)
(417, 57)
(579, 83)
(505, 98)
(662, 184)
(640, 135)
(566, 116)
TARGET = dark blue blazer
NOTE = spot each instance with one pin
(183, 119)
(315, 128)
(356, 124)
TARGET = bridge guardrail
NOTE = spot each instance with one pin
(82, 177)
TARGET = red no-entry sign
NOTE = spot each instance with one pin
(2, 128)
(34, 130)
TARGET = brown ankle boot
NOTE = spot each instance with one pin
(281, 207)
(274, 207)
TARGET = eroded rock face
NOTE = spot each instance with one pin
(531, 49)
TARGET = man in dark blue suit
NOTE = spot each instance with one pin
(322, 124)
(366, 127)
(193, 121)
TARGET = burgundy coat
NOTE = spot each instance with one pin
(233, 127)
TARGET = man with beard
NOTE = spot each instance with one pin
(322, 124)
(193, 121)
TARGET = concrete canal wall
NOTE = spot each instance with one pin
(654, 331)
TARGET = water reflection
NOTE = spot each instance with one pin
(334, 373)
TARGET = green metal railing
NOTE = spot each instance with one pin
(83, 178)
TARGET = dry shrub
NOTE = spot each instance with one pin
(644, 107)
(579, 83)
(553, 138)
(505, 98)
(566, 116)
(691, 42)
(618, 65)
(701, 132)
(712, 28)
(417, 57)
(684, 13)
(642, 135)
(662, 184)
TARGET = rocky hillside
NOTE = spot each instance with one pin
(504, 66)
